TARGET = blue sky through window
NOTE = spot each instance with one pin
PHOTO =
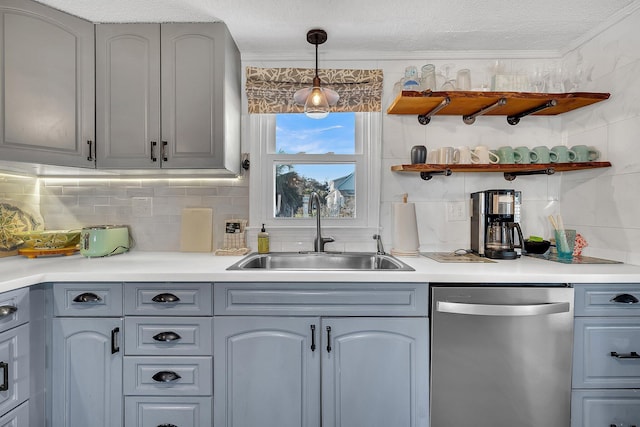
(296, 134)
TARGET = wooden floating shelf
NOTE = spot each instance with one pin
(510, 170)
(514, 105)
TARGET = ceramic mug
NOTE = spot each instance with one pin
(585, 154)
(418, 154)
(540, 154)
(445, 155)
(432, 157)
(482, 155)
(506, 154)
(522, 155)
(561, 154)
(462, 155)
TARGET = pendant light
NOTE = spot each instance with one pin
(316, 99)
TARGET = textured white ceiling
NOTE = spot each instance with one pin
(280, 26)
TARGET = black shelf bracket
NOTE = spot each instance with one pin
(470, 119)
(510, 176)
(428, 175)
(424, 119)
(515, 119)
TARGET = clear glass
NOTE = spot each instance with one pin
(334, 182)
(299, 134)
(565, 241)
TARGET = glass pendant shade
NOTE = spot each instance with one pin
(316, 105)
(316, 100)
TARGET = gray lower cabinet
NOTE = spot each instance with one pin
(15, 358)
(47, 91)
(167, 96)
(303, 370)
(18, 417)
(168, 378)
(87, 355)
(606, 368)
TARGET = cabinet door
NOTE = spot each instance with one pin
(14, 367)
(266, 373)
(128, 95)
(86, 372)
(375, 372)
(47, 96)
(192, 95)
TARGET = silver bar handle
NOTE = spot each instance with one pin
(503, 310)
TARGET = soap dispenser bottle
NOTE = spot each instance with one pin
(263, 241)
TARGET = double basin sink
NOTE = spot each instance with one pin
(356, 261)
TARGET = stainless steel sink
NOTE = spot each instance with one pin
(320, 261)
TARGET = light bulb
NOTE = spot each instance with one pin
(317, 106)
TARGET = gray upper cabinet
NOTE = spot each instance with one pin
(168, 96)
(47, 99)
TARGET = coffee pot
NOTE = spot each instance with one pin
(494, 224)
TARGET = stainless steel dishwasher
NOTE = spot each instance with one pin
(501, 356)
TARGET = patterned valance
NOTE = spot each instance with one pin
(270, 90)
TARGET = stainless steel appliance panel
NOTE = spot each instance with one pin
(501, 356)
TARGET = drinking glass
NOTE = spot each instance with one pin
(565, 241)
(463, 79)
(428, 77)
(449, 84)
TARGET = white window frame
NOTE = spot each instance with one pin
(262, 174)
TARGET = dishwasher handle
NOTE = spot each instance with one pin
(503, 309)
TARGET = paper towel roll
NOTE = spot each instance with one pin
(405, 228)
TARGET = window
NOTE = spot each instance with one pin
(333, 157)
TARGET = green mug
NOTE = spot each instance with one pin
(561, 154)
(506, 154)
(586, 154)
(522, 155)
(540, 154)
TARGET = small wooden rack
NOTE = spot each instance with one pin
(510, 171)
(471, 104)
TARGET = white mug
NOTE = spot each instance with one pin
(432, 157)
(462, 155)
(482, 155)
(445, 155)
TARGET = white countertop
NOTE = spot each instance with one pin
(18, 271)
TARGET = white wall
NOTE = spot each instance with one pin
(605, 206)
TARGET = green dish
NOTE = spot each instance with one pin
(49, 239)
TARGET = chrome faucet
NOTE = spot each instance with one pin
(319, 241)
(380, 248)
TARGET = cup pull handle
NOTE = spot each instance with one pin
(7, 310)
(624, 299)
(165, 298)
(632, 355)
(165, 377)
(87, 297)
(167, 425)
(166, 336)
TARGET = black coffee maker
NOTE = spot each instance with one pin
(494, 224)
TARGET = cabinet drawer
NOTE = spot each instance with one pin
(604, 352)
(87, 299)
(166, 376)
(607, 300)
(18, 417)
(14, 367)
(167, 411)
(603, 408)
(173, 299)
(168, 336)
(14, 308)
(336, 299)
